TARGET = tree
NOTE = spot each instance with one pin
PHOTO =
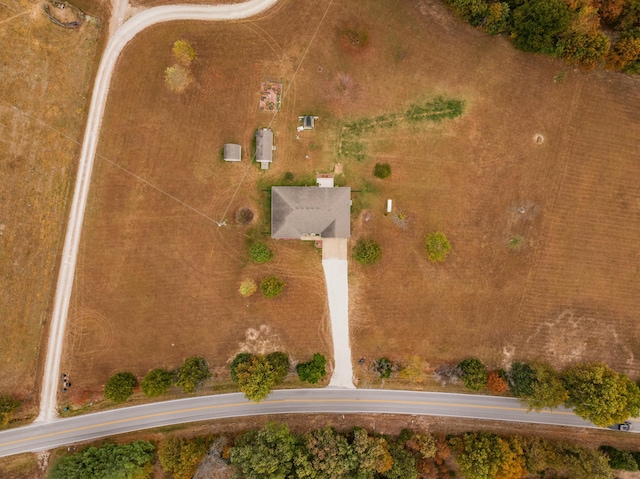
(372, 454)
(367, 251)
(119, 387)
(271, 287)
(404, 463)
(181, 456)
(256, 377)
(473, 11)
(193, 371)
(177, 78)
(537, 24)
(314, 370)
(382, 170)
(620, 460)
(547, 389)
(268, 452)
(260, 253)
(438, 246)
(156, 382)
(184, 52)
(496, 383)
(586, 49)
(238, 360)
(280, 363)
(248, 287)
(601, 395)
(424, 444)
(8, 406)
(625, 52)
(521, 379)
(473, 373)
(497, 20)
(487, 456)
(383, 367)
(111, 461)
(330, 454)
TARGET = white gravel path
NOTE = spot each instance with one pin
(51, 377)
(334, 263)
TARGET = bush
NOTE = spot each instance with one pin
(620, 460)
(496, 383)
(438, 247)
(521, 379)
(156, 382)
(260, 253)
(383, 367)
(382, 170)
(184, 52)
(314, 370)
(271, 287)
(181, 456)
(8, 405)
(248, 287)
(256, 378)
(280, 363)
(120, 386)
(177, 78)
(473, 374)
(367, 252)
(193, 371)
(240, 358)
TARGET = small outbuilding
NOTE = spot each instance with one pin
(324, 180)
(308, 122)
(232, 152)
(264, 148)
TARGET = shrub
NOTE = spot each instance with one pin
(8, 405)
(237, 361)
(521, 379)
(367, 252)
(156, 382)
(382, 170)
(256, 378)
(383, 367)
(244, 216)
(181, 456)
(279, 361)
(620, 460)
(314, 370)
(438, 247)
(473, 374)
(496, 383)
(248, 287)
(193, 371)
(177, 78)
(120, 386)
(260, 253)
(271, 287)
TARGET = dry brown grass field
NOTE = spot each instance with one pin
(157, 278)
(46, 72)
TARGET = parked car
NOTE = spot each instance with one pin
(623, 426)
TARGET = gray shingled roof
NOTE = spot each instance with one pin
(264, 145)
(308, 210)
(232, 152)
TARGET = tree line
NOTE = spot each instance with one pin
(587, 33)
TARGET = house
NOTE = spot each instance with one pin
(264, 147)
(232, 152)
(310, 213)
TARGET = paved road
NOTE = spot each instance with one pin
(116, 44)
(42, 436)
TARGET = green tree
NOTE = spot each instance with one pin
(260, 253)
(620, 460)
(521, 379)
(256, 378)
(487, 456)
(601, 395)
(537, 24)
(367, 251)
(372, 454)
(547, 389)
(119, 387)
(330, 454)
(8, 406)
(314, 370)
(268, 452)
(580, 462)
(280, 363)
(404, 463)
(238, 360)
(193, 371)
(587, 49)
(181, 456)
(473, 373)
(382, 170)
(438, 246)
(156, 382)
(271, 287)
(111, 461)
(473, 11)
(497, 20)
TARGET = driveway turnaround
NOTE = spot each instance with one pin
(43, 436)
(137, 23)
(334, 264)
